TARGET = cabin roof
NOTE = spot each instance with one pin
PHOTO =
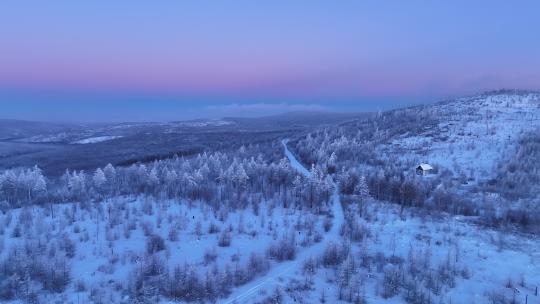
(425, 167)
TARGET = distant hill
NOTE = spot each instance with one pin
(55, 147)
(298, 119)
(11, 129)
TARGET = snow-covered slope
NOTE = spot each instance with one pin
(472, 134)
(468, 137)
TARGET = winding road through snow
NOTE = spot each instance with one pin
(273, 278)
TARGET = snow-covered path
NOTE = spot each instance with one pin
(294, 162)
(272, 279)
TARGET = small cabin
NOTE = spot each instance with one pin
(424, 169)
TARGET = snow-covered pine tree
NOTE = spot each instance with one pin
(361, 189)
(99, 181)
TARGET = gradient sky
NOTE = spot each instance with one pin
(164, 60)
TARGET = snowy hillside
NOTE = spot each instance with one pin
(471, 141)
(472, 134)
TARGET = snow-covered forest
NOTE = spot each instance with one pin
(484, 150)
(213, 222)
(341, 217)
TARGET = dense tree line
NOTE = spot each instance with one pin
(519, 176)
(23, 184)
(355, 142)
(219, 179)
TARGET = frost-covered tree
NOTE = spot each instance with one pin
(77, 184)
(99, 179)
(331, 165)
(361, 189)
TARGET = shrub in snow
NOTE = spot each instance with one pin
(153, 265)
(224, 239)
(198, 229)
(8, 288)
(498, 297)
(154, 243)
(284, 249)
(332, 255)
(415, 293)
(257, 264)
(210, 255)
(240, 276)
(173, 234)
(187, 284)
(68, 246)
(317, 237)
(147, 228)
(275, 297)
(147, 207)
(213, 228)
(327, 223)
(25, 217)
(16, 233)
(354, 231)
(391, 285)
(127, 231)
(310, 266)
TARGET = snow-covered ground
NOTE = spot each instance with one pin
(96, 139)
(108, 246)
(483, 265)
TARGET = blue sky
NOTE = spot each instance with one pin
(141, 60)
